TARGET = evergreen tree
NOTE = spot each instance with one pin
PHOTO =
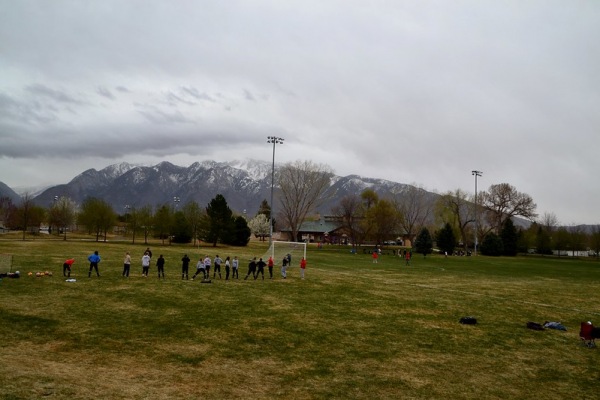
(424, 242)
(220, 219)
(240, 232)
(492, 245)
(509, 238)
(446, 241)
(543, 241)
(182, 229)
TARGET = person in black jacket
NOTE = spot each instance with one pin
(160, 264)
(185, 266)
(251, 269)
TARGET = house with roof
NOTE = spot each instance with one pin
(325, 229)
(329, 229)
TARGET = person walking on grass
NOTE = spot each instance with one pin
(160, 265)
(302, 267)
(200, 268)
(270, 265)
(94, 260)
(218, 262)
(145, 264)
(375, 256)
(251, 269)
(227, 268)
(234, 268)
(126, 265)
(260, 269)
(185, 266)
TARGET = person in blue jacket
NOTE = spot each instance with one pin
(94, 260)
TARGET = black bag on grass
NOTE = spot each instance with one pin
(535, 326)
(468, 320)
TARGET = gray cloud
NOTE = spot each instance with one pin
(409, 91)
(102, 91)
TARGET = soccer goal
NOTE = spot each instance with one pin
(5, 263)
(278, 250)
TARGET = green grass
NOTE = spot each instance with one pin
(351, 329)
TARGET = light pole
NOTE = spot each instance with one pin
(55, 211)
(127, 207)
(476, 174)
(176, 201)
(275, 140)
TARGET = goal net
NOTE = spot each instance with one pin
(5, 263)
(278, 250)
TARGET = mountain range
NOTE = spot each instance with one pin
(244, 184)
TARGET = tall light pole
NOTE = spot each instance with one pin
(275, 140)
(476, 174)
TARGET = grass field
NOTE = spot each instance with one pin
(351, 330)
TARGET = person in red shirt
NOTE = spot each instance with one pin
(375, 256)
(270, 265)
(302, 267)
(67, 267)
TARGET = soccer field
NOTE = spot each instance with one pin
(351, 330)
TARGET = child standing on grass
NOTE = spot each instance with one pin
(185, 265)
(284, 264)
(218, 262)
(160, 265)
(227, 268)
(270, 265)
(94, 260)
(302, 267)
(145, 264)
(234, 266)
(126, 265)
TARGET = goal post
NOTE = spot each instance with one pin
(279, 249)
(6, 263)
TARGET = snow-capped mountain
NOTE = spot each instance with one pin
(244, 184)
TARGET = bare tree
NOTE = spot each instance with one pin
(595, 240)
(503, 201)
(548, 221)
(414, 209)
(193, 214)
(302, 186)
(456, 210)
(62, 214)
(350, 212)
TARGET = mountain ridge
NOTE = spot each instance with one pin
(243, 183)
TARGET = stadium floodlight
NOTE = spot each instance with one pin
(476, 174)
(275, 140)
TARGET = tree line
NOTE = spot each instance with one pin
(457, 220)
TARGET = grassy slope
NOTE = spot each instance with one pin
(352, 329)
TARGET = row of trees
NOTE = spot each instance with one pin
(214, 224)
(365, 217)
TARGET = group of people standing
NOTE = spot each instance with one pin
(203, 266)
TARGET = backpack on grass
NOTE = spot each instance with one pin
(468, 320)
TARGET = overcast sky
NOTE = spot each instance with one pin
(418, 92)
